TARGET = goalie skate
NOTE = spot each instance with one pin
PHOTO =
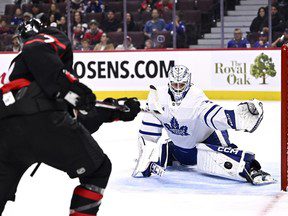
(261, 178)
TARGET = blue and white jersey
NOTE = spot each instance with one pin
(195, 120)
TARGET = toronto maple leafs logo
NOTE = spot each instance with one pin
(175, 129)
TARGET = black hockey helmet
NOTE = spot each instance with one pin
(29, 28)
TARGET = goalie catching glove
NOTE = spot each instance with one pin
(248, 116)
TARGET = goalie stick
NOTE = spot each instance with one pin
(155, 101)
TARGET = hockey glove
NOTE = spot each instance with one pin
(80, 96)
(77, 94)
(249, 115)
(133, 108)
(134, 105)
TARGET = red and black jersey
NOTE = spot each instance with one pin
(43, 59)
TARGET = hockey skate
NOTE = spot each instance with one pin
(261, 178)
(256, 176)
(153, 168)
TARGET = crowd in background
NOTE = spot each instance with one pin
(258, 37)
(90, 34)
(97, 26)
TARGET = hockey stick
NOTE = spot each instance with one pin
(35, 169)
(119, 107)
(122, 107)
(154, 99)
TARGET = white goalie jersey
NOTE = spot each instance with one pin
(194, 120)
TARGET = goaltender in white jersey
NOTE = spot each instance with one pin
(197, 128)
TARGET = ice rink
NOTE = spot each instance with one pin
(180, 192)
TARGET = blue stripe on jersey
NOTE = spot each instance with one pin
(230, 115)
(209, 111)
(152, 124)
(150, 133)
(213, 139)
(214, 116)
(226, 137)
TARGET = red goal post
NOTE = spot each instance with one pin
(284, 117)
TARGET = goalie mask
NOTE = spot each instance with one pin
(179, 82)
(29, 28)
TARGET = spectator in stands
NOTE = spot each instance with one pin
(147, 6)
(164, 5)
(52, 20)
(27, 16)
(263, 41)
(95, 6)
(238, 41)
(78, 5)
(148, 44)
(110, 23)
(284, 5)
(77, 19)
(78, 34)
(104, 44)
(4, 28)
(55, 11)
(2, 46)
(85, 45)
(259, 21)
(131, 25)
(154, 25)
(15, 46)
(62, 25)
(278, 22)
(17, 19)
(94, 33)
(180, 29)
(35, 10)
(129, 44)
(279, 42)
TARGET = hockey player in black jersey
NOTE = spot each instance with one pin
(36, 122)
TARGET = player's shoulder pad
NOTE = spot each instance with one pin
(33, 44)
(197, 92)
(35, 41)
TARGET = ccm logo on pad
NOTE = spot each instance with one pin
(227, 150)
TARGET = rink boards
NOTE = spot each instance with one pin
(223, 74)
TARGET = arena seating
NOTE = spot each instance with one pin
(197, 15)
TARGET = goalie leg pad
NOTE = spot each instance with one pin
(223, 161)
(152, 158)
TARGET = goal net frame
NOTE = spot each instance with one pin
(284, 116)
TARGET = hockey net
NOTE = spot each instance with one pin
(284, 117)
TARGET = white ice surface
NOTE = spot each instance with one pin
(179, 192)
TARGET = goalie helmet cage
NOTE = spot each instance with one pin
(284, 117)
